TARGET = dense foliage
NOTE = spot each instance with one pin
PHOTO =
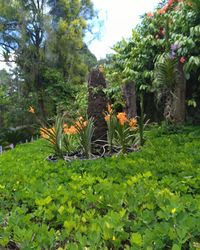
(146, 200)
(162, 59)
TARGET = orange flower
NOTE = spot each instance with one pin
(81, 123)
(133, 123)
(65, 128)
(107, 117)
(150, 14)
(70, 131)
(122, 118)
(161, 11)
(31, 110)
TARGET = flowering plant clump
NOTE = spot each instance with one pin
(54, 135)
(121, 130)
(110, 119)
(50, 133)
(125, 131)
(85, 131)
(62, 137)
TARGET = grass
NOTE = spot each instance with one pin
(144, 200)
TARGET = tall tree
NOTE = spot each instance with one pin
(66, 44)
(23, 37)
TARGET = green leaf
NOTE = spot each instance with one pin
(176, 247)
(61, 209)
(136, 239)
(43, 202)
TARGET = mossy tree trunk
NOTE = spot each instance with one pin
(175, 106)
(97, 105)
(179, 96)
(168, 110)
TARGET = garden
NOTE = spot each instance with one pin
(99, 154)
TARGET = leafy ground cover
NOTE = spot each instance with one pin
(144, 200)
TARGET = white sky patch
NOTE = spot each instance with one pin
(120, 17)
(3, 65)
(7, 66)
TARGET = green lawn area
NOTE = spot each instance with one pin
(144, 200)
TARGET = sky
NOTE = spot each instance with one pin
(120, 17)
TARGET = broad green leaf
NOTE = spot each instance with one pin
(43, 202)
(176, 247)
(136, 239)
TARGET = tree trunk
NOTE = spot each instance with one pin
(175, 109)
(179, 97)
(97, 103)
(42, 107)
(129, 96)
(168, 110)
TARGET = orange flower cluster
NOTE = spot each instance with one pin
(133, 123)
(72, 130)
(81, 123)
(122, 118)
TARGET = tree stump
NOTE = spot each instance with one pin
(97, 104)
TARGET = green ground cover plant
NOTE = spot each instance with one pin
(148, 199)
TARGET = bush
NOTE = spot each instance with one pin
(15, 136)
